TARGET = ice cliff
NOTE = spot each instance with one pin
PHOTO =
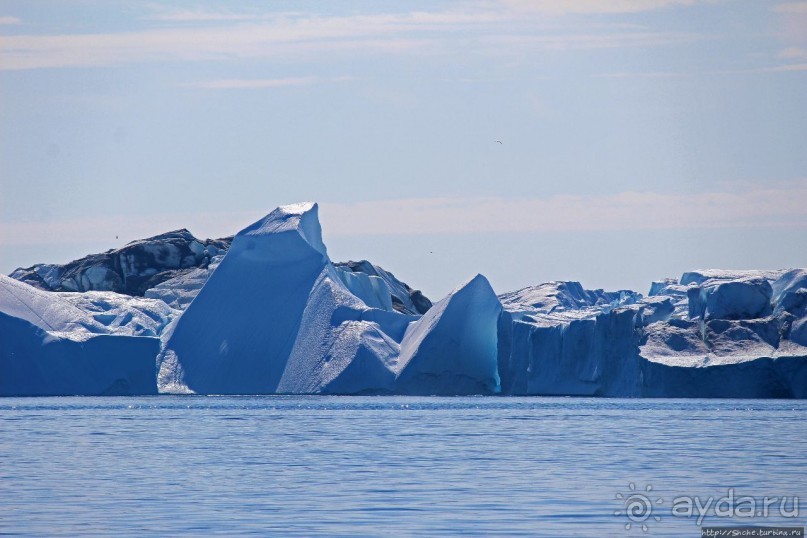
(267, 312)
(74, 343)
(709, 334)
(277, 316)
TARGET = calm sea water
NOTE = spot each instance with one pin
(381, 466)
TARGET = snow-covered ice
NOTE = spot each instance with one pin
(77, 343)
(268, 312)
(277, 316)
(237, 334)
(131, 269)
(453, 347)
(403, 298)
(712, 333)
(179, 291)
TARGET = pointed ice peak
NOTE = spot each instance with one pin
(479, 280)
(453, 348)
(283, 218)
(302, 218)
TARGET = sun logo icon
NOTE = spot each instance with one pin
(638, 507)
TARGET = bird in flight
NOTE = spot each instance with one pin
(499, 141)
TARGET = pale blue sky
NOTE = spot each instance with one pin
(641, 138)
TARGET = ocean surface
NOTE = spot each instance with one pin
(393, 466)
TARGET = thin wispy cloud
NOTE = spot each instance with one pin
(793, 53)
(603, 40)
(6, 20)
(588, 7)
(778, 205)
(286, 35)
(785, 68)
(252, 84)
(282, 37)
(200, 16)
(651, 74)
(447, 17)
(791, 7)
(792, 23)
(100, 229)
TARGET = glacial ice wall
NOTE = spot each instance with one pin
(710, 334)
(271, 313)
(77, 343)
(277, 316)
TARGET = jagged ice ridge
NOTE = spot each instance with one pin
(267, 312)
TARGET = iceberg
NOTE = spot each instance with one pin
(559, 296)
(582, 354)
(733, 334)
(567, 340)
(179, 291)
(403, 298)
(741, 298)
(453, 348)
(268, 312)
(175, 265)
(736, 338)
(237, 334)
(131, 269)
(276, 316)
(342, 345)
(74, 343)
(789, 293)
(82, 315)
